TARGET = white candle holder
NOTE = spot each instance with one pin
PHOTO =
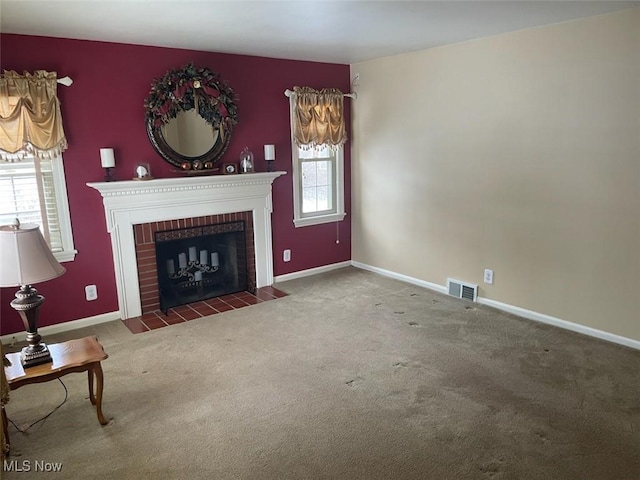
(108, 161)
(269, 156)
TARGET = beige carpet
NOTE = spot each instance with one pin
(352, 376)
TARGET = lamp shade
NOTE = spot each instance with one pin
(25, 257)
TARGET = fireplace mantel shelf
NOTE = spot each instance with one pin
(182, 184)
(131, 202)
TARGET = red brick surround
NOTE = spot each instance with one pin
(146, 251)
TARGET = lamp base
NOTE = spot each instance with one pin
(27, 303)
(30, 357)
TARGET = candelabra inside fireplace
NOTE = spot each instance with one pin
(193, 269)
(200, 262)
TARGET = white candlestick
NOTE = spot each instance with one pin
(215, 260)
(269, 152)
(171, 267)
(192, 254)
(182, 260)
(204, 257)
(198, 276)
(107, 159)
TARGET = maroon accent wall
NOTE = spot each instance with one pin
(104, 108)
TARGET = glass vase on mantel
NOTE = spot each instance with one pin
(246, 161)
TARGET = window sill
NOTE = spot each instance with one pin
(320, 219)
(67, 256)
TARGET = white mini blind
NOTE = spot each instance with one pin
(28, 193)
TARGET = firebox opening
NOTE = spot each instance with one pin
(198, 263)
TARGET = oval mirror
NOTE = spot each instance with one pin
(190, 114)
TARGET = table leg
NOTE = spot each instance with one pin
(97, 370)
(92, 397)
(5, 434)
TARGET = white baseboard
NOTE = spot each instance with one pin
(558, 322)
(401, 277)
(312, 271)
(62, 327)
(521, 312)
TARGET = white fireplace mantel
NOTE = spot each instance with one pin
(132, 202)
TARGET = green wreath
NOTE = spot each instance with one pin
(191, 87)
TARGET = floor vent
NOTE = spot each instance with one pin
(459, 289)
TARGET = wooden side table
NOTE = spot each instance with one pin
(81, 355)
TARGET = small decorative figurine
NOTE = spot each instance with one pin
(246, 161)
(142, 172)
(229, 168)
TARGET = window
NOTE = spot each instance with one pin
(318, 168)
(318, 192)
(32, 182)
(317, 171)
(38, 194)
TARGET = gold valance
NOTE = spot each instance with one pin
(30, 118)
(318, 117)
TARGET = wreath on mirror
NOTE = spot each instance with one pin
(191, 87)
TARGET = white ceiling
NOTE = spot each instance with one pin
(318, 30)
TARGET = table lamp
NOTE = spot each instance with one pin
(26, 258)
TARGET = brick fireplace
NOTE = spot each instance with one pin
(134, 208)
(146, 250)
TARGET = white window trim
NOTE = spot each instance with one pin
(300, 220)
(305, 220)
(69, 252)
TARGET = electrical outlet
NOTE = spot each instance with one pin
(91, 292)
(488, 276)
(286, 255)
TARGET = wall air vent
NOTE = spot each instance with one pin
(459, 289)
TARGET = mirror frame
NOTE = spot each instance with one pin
(179, 90)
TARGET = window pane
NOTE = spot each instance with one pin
(304, 154)
(323, 173)
(308, 174)
(317, 182)
(19, 197)
(323, 198)
(316, 152)
(324, 152)
(309, 200)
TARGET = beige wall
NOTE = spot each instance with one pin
(520, 153)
